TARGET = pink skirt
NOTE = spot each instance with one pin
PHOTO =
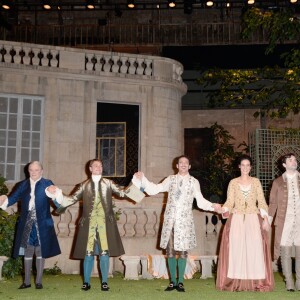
(244, 262)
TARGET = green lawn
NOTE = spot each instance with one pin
(62, 287)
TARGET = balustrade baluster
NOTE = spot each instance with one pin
(115, 66)
(148, 68)
(140, 68)
(130, 223)
(132, 67)
(121, 224)
(89, 63)
(140, 223)
(151, 222)
(124, 64)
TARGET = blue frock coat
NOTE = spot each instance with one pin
(48, 239)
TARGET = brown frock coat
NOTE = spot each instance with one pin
(278, 205)
(86, 192)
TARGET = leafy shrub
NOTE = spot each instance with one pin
(53, 271)
(12, 266)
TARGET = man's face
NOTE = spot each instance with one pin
(35, 171)
(291, 163)
(96, 168)
(183, 165)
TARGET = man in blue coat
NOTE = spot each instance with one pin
(35, 227)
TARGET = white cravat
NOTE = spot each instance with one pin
(32, 196)
(96, 179)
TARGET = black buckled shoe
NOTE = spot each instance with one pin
(104, 287)
(86, 286)
(171, 287)
(180, 287)
(24, 286)
(38, 286)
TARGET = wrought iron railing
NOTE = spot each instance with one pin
(193, 34)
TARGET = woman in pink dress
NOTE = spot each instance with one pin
(245, 260)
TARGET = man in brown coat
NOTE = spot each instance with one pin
(97, 232)
(285, 203)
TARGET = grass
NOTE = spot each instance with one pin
(68, 287)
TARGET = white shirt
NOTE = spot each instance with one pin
(32, 195)
(290, 233)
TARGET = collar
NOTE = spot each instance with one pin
(291, 176)
(34, 182)
(183, 176)
(285, 176)
(96, 178)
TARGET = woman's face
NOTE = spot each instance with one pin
(245, 166)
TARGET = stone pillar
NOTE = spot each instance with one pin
(131, 266)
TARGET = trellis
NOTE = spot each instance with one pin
(266, 147)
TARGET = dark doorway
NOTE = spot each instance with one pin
(111, 112)
(197, 144)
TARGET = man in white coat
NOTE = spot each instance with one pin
(178, 231)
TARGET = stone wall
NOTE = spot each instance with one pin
(72, 81)
(239, 122)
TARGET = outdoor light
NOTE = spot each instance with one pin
(6, 4)
(46, 4)
(130, 4)
(171, 3)
(209, 3)
(251, 2)
(90, 4)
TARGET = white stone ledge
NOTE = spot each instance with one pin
(206, 262)
(3, 259)
(132, 264)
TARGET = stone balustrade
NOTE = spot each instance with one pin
(139, 229)
(99, 62)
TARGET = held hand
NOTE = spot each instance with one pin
(2, 199)
(225, 213)
(51, 189)
(139, 175)
(217, 208)
(265, 225)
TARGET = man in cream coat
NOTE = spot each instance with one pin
(285, 202)
(178, 231)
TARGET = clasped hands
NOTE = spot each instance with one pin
(218, 208)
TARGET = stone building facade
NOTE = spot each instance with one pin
(71, 82)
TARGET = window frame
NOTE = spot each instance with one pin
(17, 119)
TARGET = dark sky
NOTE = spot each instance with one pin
(226, 57)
